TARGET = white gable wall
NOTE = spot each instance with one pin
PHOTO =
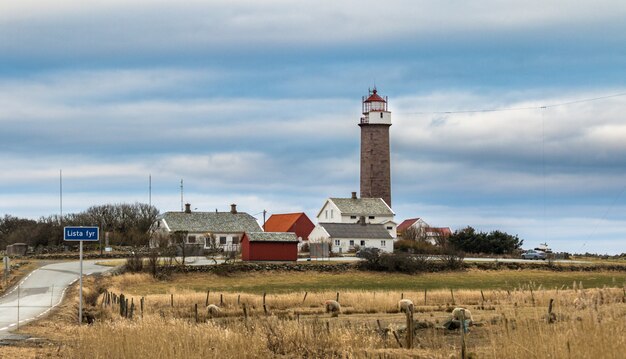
(318, 235)
(329, 214)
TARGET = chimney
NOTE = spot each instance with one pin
(353, 195)
(187, 207)
(233, 208)
(362, 220)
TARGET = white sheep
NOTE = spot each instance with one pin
(333, 307)
(213, 310)
(456, 314)
(405, 306)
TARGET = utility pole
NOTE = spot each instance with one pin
(61, 197)
(182, 203)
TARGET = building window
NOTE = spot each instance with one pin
(191, 239)
(352, 217)
(352, 242)
(383, 243)
(389, 227)
(236, 240)
(331, 213)
(222, 240)
(326, 214)
(362, 243)
(371, 217)
(337, 242)
(381, 115)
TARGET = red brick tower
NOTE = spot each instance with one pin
(375, 160)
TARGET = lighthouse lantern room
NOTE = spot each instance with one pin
(374, 109)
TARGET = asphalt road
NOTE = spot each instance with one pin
(39, 292)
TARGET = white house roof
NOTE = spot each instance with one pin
(215, 222)
(271, 237)
(356, 230)
(361, 206)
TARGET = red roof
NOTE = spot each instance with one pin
(281, 222)
(374, 97)
(406, 224)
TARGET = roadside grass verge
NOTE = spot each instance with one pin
(26, 266)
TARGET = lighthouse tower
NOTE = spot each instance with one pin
(375, 160)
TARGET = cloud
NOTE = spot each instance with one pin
(103, 28)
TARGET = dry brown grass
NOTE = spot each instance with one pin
(514, 324)
(26, 266)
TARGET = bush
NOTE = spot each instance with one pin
(409, 263)
(134, 263)
(496, 242)
(411, 246)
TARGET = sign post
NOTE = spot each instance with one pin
(80, 234)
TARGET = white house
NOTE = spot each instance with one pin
(226, 227)
(345, 237)
(350, 210)
(423, 230)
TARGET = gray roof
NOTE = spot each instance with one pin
(363, 206)
(356, 230)
(271, 237)
(215, 222)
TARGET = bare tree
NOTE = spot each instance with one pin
(212, 247)
(412, 233)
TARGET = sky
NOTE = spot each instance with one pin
(257, 103)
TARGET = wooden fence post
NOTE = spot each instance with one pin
(141, 305)
(305, 294)
(221, 299)
(463, 349)
(264, 306)
(452, 294)
(122, 301)
(551, 316)
(206, 302)
(196, 310)
(337, 297)
(425, 290)
(409, 329)
(238, 298)
(395, 335)
(172, 300)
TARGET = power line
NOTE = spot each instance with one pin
(516, 108)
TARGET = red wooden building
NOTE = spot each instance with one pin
(297, 223)
(269, 246)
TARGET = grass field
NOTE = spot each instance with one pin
(513, 320)
(510, 306)
(285, 282)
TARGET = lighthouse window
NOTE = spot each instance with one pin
(381, 115)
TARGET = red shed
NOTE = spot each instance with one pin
(269, 246)
(297, 223)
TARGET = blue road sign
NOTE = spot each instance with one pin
(81, 234)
